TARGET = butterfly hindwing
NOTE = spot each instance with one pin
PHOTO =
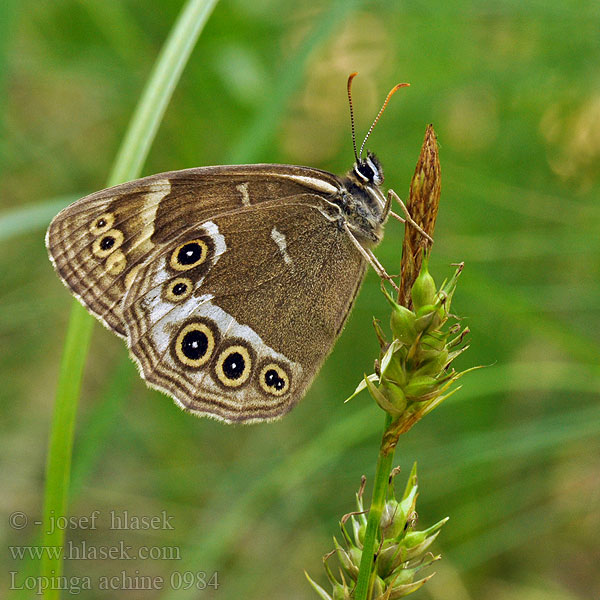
(246, 301)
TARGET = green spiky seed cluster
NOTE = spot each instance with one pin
(412, 376)
(414, 372)
(402, 550)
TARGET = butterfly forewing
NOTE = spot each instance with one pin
(98, 243)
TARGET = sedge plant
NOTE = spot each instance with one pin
(381, 555)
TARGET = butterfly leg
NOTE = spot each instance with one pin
(392, 194)
(371, 259)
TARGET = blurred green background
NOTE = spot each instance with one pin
(513, 90)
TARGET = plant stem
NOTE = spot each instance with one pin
(364, 584)
(58, 463)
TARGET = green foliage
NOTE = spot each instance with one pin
(512, 90)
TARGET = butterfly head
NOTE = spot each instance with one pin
(368, 170)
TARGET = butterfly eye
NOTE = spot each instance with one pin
(274, 380)
(179, 289)
(107, 243)
(102, 224)
(189, 255)
(233, 366)
(195, 344)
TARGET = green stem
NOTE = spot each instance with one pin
(58, 463)
(128, 164)
(364, 584)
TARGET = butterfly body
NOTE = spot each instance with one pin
(229, 283)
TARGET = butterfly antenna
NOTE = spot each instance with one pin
(350, 78)
(392, 92)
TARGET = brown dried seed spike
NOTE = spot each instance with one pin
(423, 203)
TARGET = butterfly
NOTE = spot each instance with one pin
(230, 284)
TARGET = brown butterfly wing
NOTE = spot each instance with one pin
(277, 283)
(98, 244)
(272, 290)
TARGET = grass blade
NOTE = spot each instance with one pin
(128, 164)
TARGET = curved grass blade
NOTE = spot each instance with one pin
(128, 163)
